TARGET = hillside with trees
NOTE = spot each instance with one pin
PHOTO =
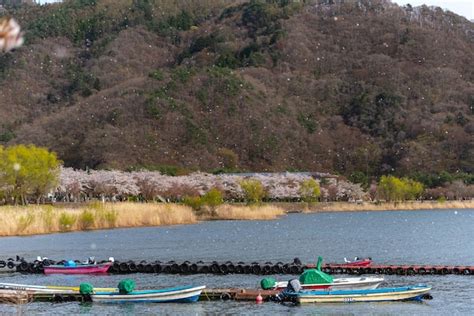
(360, 88)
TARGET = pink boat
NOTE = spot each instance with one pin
(78, 269)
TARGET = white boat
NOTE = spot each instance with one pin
(352, 296)
(185, 294)
(360, 283)
(48, 288)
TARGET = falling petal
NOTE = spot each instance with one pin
(10, 34)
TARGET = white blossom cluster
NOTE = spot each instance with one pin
(97, 183)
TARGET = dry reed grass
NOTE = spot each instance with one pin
(32, 220)
(387, 206)
(258, 212)
(44, 219)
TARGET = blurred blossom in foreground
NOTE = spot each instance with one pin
(10, 34)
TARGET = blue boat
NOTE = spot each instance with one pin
(184, 294)
(417, 292)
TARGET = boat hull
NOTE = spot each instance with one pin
(361, 263)
(378, 295)
(53, 289)
(171, 295)
(80, 269)
(362, 283)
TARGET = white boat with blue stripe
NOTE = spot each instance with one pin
(374, 295)
(184, 294)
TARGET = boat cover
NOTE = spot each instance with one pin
(268, 283)
(126, 286)
(86, 289)
(316, 276)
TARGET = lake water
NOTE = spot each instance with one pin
(424, 237)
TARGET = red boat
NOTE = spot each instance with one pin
(366, 262)
(78, 269)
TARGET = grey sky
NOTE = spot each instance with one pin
(461, 7)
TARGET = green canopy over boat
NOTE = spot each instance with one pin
(316, 276)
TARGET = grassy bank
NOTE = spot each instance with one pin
(31, 220)
(260, 212)
(369, 206)
(44, 219)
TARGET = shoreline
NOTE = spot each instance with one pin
(320, 207)
(51, 219)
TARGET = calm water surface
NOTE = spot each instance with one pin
(430, 237)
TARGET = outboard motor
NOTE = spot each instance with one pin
(288, 294)
(294, 286)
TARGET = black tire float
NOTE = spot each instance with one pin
(286, 269)
(239, 269)
(39, 268)
(400, 271)
(266, 269)
(204, 269)
(223, 269)
(174, 268)
(247, 269)
(295, 269)
(184, 268)
(148, 268)
(140, 267)
(115, 265)
(214, 268)
(23, 267)
(123, 267)
(157, 268)
(277, 269)
(410, 271)
(456, 271)
(193, 268)
(445, 271)
(328, 270)
(225, 296)
(231, 268)
(3, 264)
(256, 269)
(132, 267)
(466, 272)
(422, 271)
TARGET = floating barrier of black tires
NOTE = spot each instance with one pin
(228, 267)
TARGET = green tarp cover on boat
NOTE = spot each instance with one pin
(268, 283)
(86, 289)
(316, 276)
(126, 286)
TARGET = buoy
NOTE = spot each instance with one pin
(259, 299)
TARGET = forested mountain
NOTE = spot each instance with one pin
(358, 88)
